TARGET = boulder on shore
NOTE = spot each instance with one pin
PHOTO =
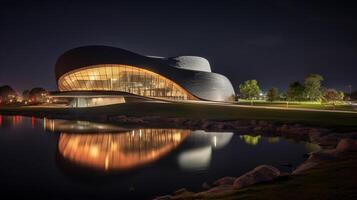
(228, 180)
(262, 173)
(346, 145)
(218, 190)
(166, 197)
(315, 159)
(206, 186)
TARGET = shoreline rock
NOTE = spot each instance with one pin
(228, 180)
(333, 145)
(262, 173)
(314, 160)
(347, 145)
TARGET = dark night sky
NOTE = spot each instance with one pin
(273, 41)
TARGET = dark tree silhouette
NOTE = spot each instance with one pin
(295, 91)
(7, 93)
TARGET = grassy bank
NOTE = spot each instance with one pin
(296, 104)
(329, 180)
(193, 111)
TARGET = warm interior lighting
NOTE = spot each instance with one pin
(93, 151)
(124, 78)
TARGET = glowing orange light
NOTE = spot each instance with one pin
(107, 151)
(33, 122)
(151, 83)
(14, 120)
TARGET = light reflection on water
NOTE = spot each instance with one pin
(131, 148)
(186, 158)
(251, 140)
(109, 147)
(126, 150)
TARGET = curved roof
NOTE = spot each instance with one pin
(202, 84)
(191, 63)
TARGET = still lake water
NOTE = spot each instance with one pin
(60, 159)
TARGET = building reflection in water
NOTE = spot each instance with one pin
(107, 147)
(62, 125)
(119, 148)
(199, 156)
(119, 151)
(18, 121)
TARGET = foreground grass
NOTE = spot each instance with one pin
(194, 111)
(329, 180)
(319, 106)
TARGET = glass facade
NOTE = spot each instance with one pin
(124, 78)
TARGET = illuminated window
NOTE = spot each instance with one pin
(124, 78)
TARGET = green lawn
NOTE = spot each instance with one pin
(309, 105)
(194, 111)
(329, 180)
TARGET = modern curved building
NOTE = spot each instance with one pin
(103, 68)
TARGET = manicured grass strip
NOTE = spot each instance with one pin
(329, 180)
(343, 107)
(197, 111)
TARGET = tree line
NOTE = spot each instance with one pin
(34, 95)
(310, 90)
